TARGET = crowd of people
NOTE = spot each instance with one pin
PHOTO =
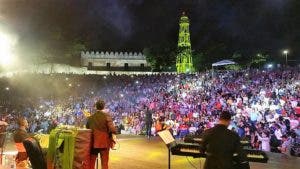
(265, 104)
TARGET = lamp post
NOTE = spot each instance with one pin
(286, 53)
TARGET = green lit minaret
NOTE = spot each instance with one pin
(184, 62)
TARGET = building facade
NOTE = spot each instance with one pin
(114, 61)
(184, 61)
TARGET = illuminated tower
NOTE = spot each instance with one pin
(184, 62)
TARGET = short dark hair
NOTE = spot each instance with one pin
(100, 104)
(225, 115)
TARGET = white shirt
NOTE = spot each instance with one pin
(265, 143)
(294, 123)
(294, 103)
(278, 134)
(282, 102)
(192, 129)
(273, 107)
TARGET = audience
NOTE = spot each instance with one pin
(264, 104)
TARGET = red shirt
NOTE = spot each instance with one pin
(297, 110)
(218, 106)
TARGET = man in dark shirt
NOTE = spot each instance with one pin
(102, 127)
(222, 145)
(148, 121)
(19, 136)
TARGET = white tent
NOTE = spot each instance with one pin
(223, 62)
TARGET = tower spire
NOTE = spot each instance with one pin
(184, 62)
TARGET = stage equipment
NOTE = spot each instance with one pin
(69, 148)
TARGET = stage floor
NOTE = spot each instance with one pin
(137, 152)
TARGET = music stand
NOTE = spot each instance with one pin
(170, 142)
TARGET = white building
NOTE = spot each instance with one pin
(114, 61)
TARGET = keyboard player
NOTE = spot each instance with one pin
(222, 146)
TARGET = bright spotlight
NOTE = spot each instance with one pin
(7, 88)
(285, 52)
(5, 50)
(270, 65)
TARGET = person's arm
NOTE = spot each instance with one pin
(240, 156)
(3, 123)
(261, 138)
(283, 147)
(204, 141)
(110, 124)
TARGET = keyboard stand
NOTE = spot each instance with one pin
(169, 158)
(170, 142)
(169, 146)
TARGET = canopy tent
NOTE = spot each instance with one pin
(223, 62)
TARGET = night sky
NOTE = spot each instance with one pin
(218, 27)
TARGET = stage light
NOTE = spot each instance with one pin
(270, 65)
(285, 52)
(5, 50)
(7, 88)
(137, 82)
